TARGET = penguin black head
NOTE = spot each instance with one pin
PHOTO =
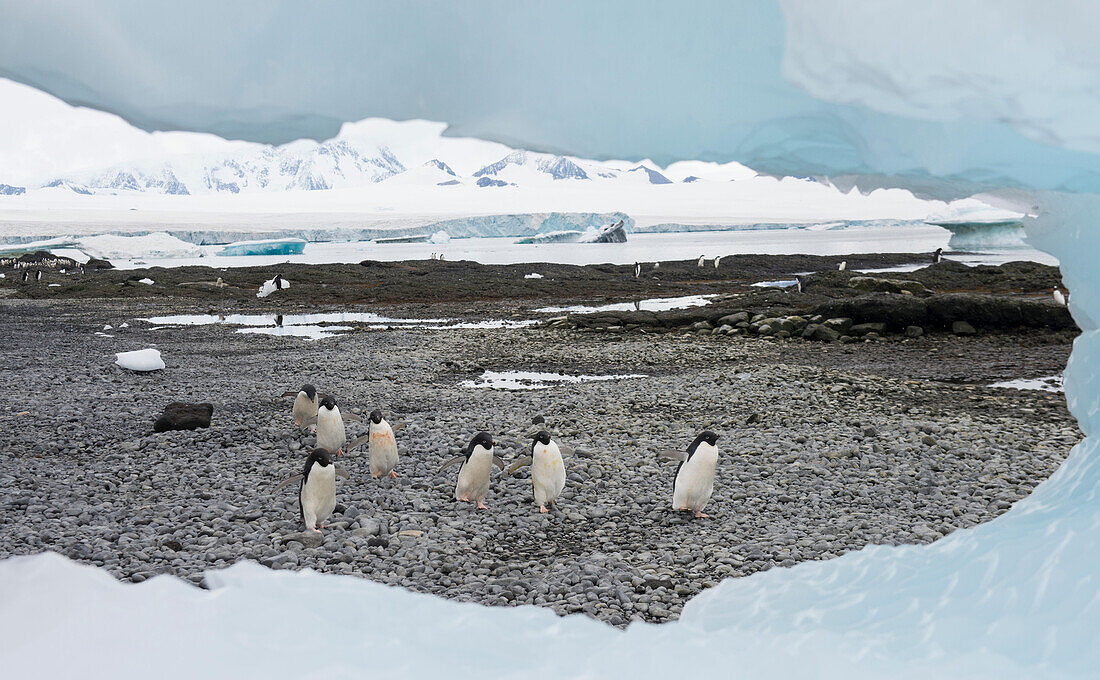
(482, 439)
(310, 391)
(320, 456)
(706, 436)
(541, 437)
(376, 416)
(328, 402)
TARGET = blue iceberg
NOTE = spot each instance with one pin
(277, 246)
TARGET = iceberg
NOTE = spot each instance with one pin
(440, 237)
(975, 225)
(277, 246)
(151, 246)
(611, 233)
(139, 360)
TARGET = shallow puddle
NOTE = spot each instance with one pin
(317, 326)
(649, 305)
(534, 380)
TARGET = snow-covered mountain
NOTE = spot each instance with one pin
(87, 151)
(61, 161)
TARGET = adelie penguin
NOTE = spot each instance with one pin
(476, 465)
(305, 404)
(694, 481)
(331, 434)
(317, 490)
(382, 445)
(937, 256)
(547, 468)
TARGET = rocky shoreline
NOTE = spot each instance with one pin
(826, 447)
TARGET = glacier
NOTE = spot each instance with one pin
(945, 98)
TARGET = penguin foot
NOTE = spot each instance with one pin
(315, 529)
(542, 508)
(481, 505)
(701, 515)
(393, 474)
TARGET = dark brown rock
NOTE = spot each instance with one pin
(183, 416)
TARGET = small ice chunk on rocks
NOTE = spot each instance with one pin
(147, 282)
(272, 285)
(140, 360)
(533, 276)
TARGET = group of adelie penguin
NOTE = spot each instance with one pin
(692, 487)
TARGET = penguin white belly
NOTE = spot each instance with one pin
(473, 478)
(383, 452)
(330, 430)
(304, 408)
(547, 473)
(318, 495)
(695, 480)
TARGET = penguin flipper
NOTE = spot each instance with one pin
(358, 441)
(669, 454)
(456, 459)
(289, 480)
(285, 394)
(517, 464)
(352, 417)
(341, 472)
(499, 462)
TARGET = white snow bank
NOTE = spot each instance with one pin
(151, 246)
(140, 360)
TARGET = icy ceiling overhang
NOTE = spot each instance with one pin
(907, 93)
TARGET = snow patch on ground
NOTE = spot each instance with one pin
(1052, 383)
(649, 305)
(534, 380)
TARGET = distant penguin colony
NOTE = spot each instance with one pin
(693, 482)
